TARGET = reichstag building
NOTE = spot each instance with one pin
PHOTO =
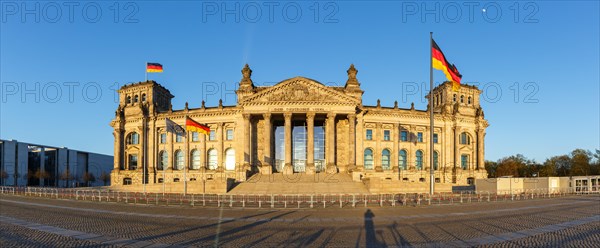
(298, 126)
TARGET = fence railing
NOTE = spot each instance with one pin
(285, 200)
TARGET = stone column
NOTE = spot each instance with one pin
(359, 143)
(457, 164)
(287, 168)
(480, 158)
(220, 152)
(352, 141)
(330, 139)
(268, 159)
(203, 155)
(395, 139)
(247, 149)
(118, 159)
(310, 140)
(142, 151)
(378, 134)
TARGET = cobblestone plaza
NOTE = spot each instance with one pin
(570, 221)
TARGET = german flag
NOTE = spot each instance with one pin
(193, 126)
(439, 62)
(154, 67)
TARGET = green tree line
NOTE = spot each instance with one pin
(579, 162)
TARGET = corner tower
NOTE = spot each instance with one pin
(465, 101)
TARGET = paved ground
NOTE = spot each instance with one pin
(566, 222)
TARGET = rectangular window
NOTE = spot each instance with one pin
(133, 159)
(404, 136)
(229, 134)
(369, 134)
(178, 138)
(464, 161)
(195, 136)
(211, 136)
(163, 138)
(386, 135)
(435, 138)
(419, 137)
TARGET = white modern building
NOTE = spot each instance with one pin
(27, 164)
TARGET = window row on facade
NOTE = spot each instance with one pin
(438, 99)
(178, 161)
(406, 136)
(133, 138)
(403, 160)
(464, 138)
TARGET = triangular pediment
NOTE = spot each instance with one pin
(300, 89)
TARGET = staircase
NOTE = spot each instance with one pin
(320, 183)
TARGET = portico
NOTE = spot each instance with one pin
(294, 142)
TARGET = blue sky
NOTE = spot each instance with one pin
(537, 61)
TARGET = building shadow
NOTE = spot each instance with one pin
(370, 234)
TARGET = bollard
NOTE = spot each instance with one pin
(272, 201)
(311, 201)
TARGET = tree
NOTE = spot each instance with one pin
(88, 177)
(557, 166)
(41, 174)
(66, 176)
(4, 176)
(490, 167)
(580, 162)
(105, 177)
(515, 165)
(595, 165)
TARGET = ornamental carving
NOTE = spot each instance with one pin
(298, 92)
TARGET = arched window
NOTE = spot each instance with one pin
(195, 159)
(368, 159)
(133, 139)
(402, 160)
(230, 159)
(135, 98)
(435, 160)
(143, 97)
(454, 98)
(462, 99)
(212, 159)
(465, 139)
(164, 160)
(419, 160)
(179, 157)
(469, 100)
(128, 99)
(385, 159)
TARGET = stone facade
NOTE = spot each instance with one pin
(298, 126)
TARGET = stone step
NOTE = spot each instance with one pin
(300, 184)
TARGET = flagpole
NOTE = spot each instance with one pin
(146, 70)
(431, 131)
(144, 160)
(186, 156)
(164, 165)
